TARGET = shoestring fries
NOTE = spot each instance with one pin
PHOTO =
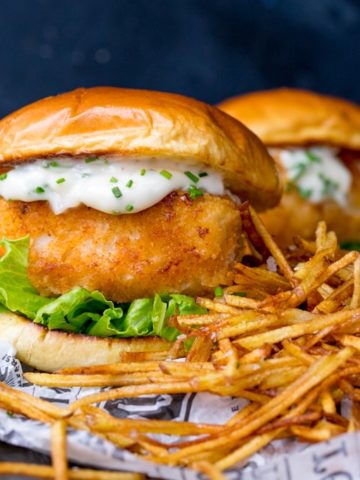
(42, 471)
(285, 337)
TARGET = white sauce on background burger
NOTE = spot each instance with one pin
(105, 183)
(317, 173)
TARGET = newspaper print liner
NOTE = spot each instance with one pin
(338, 459)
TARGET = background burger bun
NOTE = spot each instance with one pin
(296, 117)
(139, 123)
(50, 350)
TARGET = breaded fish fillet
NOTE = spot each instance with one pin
(297, 216)
(178, 245)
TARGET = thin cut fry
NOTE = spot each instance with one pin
(350, 341)
(130, 392)
(112, 368)
(320, 234)
(43, 471)
(216, 306)
(319, 370)
(271, 245)
(293, 331)
(248, 449)
(127, 425)
(243, 413)
(46, 407)
(23, 408)
(212, 472)
(200, 350)
(327, 402)
(58, 450)
(311, 434)
(102, 380)
(252, 277)
(241, 302)
(298, 353)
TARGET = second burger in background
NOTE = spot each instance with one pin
(315, 140)
(125, 201)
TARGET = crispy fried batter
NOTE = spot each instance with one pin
(177, 245)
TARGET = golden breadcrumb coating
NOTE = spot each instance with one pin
(178, 245)
(296, 216)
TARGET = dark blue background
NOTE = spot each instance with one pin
(208, 49)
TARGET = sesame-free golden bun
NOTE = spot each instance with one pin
(289, 116)
(177, 245)
(142, 124)
(50, 350)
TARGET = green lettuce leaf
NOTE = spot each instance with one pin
(78, 311)
(16, 292)
(161, 312)
(82, 311)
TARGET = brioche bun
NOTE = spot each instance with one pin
(51, 350)
(138, 124)
(288, 116)
(177, 245)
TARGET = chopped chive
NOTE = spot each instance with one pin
(116, 192)
(142, 172)
(203, 174)
(194, 192)
(239, 294)
(3, 176)
(9, 414)
(130, 183)
(39, 190)
(166, 174)
(300, 169)
(50, 164)
(192, 177)
(113, 180)
(218, 292)
(129, 208)
(305, 193)
(329, 185)
(60, 180)
(91, 159)
(312, 157)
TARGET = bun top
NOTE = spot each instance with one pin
(297, 117)
(140, 123)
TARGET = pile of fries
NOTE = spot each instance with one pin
(285, 336)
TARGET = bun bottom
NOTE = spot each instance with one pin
(50, 350)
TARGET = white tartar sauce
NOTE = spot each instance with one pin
(108, 184)
(317, 173)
